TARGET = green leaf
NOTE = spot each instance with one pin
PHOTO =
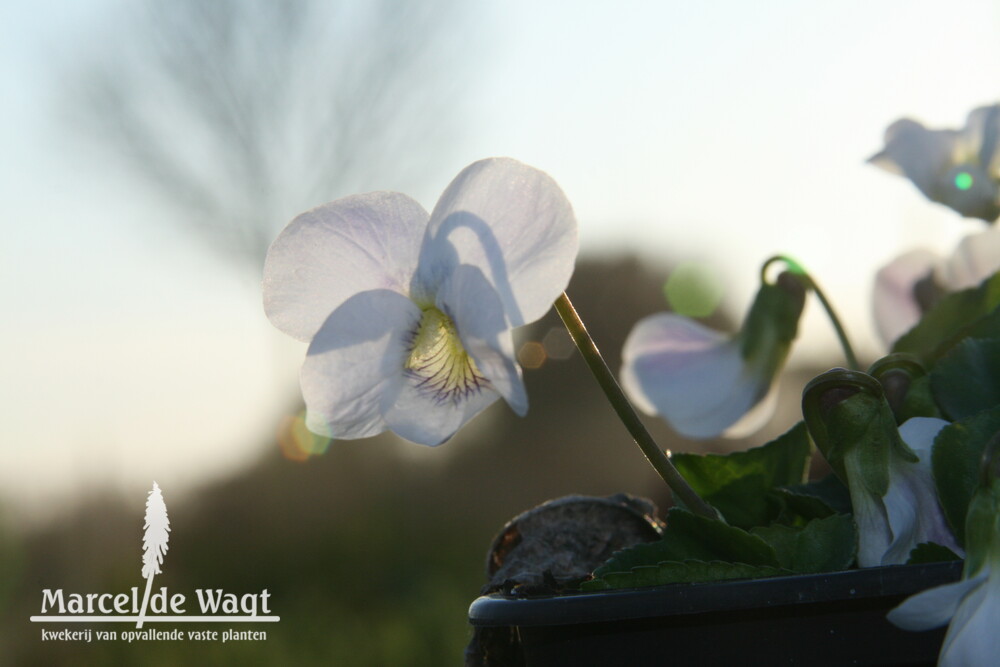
(971, 312)
(800, 508)
(739, 484)
(819, 499)
(982, 523)
(692, 537)
(930, 552)
(967, 379)
(822, 545)
(956, 460)
(672, 572)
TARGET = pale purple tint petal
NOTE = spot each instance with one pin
(934, 607)
(469, 299)
(354, 359)
(513, 223)
(874, 535)
(974, 634)
(976, 258)
(326, 255)
(920, 154)
(894, 305)
(914, 512)
(692, 376)
(422, 416)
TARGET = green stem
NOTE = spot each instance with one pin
(656, 456)
(796, 268)
(845, 343)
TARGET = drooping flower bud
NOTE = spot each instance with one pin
(706, 383)
(887, 469)
(906, 385)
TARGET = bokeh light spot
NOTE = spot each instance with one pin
(297, 442)
(531, 355)
(963, 180)
(693, 290)
(558, 344)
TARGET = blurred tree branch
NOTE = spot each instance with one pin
(242, 113)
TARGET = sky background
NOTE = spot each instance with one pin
(720, 132)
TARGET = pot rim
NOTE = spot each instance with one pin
(890, 581)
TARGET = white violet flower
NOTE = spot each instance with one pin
(957, 168)
(971, 606)
(705, 383)
(909, 285)
(408, 315)
(889, 527)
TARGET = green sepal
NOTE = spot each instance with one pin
(772, 323)
(822, 545)
(866, 449)
(692, 537)
(970, 312)
(855, 429)
(967, 379)
(956, 463)
(673, 572)
(741, 485)
(931, 552)
(866, 430)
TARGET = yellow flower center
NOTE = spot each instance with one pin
(439, 361)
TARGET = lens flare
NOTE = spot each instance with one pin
(963, 180)
(693, 290)
(531, 355)
(558, 344)
(297, 442)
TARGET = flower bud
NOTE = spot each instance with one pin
(886, 469)
(706, 383)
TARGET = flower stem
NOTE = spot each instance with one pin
(845, 343)
(796, 268)
(656, 456)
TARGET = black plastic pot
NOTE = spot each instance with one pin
(823, 619)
